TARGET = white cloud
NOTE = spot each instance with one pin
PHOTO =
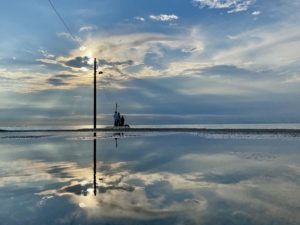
(164, 17)
(88, 28)
(232, 5)
(23, 80)
(69, 36)
(231, 37)
(267, 48)
(256, 13)
(136, 48)
(139, 18)
(46, 54)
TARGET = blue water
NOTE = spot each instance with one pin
(148, 179)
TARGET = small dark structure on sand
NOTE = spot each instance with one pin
(119, 120)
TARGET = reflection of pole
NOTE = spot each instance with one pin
(116, 141)
(95, 93)
(95, 124)
(95, 164)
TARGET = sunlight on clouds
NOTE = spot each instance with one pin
(140, 55)
(118, 49)
(135, 46)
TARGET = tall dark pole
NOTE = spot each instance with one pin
(95, 123)
(95, 94)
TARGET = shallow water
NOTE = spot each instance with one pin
(145, 178)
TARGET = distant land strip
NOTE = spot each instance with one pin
(184, 130)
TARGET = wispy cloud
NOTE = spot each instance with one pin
(164, 17)
(139, 55)
(88, 28)
(68, 36)
(46, 54)
(266, 47)
(139, 18)
(233, 6)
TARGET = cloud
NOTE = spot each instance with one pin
(164, 17)
(46, 54)
(256, 13)
(88, 28)
(229, 70)
(69, 36)
(130, 53)
(65, 76)
(23, 80)
(56, 82)
(78, 62)
(264, 48)
(244, 66)
(231, 37)
(233, 6)
(103, 62)
(139, 18)
(60, 80)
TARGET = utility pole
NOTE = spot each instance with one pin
(95, 126)
(95, 94)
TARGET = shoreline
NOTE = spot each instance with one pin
(179, 130)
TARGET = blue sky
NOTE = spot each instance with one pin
(177, 61)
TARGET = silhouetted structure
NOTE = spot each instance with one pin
(119, 120)
(95, 94)
(122, 121)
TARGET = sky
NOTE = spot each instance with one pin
(164, 62)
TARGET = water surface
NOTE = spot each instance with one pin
(72, 178)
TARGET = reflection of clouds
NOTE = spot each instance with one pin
(118, 204)
(250, 136)
(117, 197)
(229, 185)
(265, 199)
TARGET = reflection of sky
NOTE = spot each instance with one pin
(168, 179)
